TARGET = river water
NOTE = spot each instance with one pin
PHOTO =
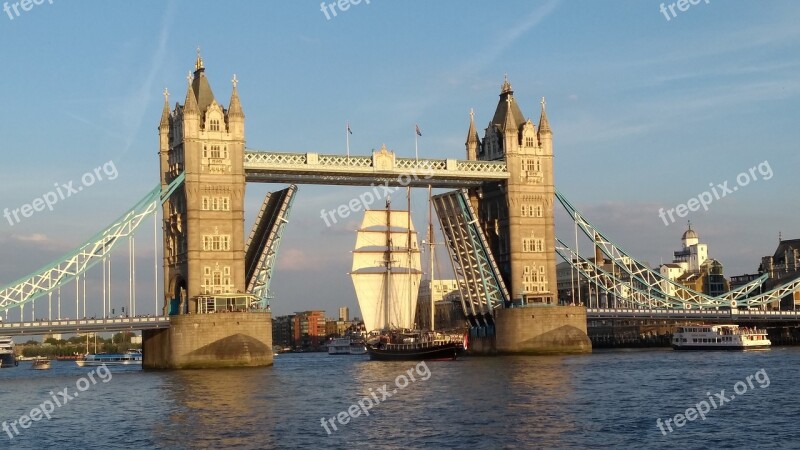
(609, 399)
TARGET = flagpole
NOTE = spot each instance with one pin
(416, 146)
(347, 137)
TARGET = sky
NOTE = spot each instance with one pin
(649, 109)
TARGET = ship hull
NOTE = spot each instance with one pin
(721, 347)
(450, 350)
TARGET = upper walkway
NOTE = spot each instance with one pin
(381, 168)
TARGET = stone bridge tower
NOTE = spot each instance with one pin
(517, 216)
(204, 254)
(204, 220)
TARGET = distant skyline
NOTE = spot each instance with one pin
(648, 110)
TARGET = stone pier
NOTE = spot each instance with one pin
(207, 341)
(536, 330)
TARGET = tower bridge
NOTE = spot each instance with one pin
(498, 226)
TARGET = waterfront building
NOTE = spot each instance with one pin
(283, 331)
(783, 266)
(693, 268)
(309, 329)
(447, 300)
(336, 328)
(344, 313)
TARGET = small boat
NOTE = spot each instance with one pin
(719, 337)
(40, 364)
(346, 346)
(129, 358)
(7, 354)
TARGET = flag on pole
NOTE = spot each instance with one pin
(347, 134)
(419, 133)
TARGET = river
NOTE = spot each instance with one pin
(608, 399)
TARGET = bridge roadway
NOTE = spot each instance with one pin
(721, 315)
(380, 168)
(65, 326)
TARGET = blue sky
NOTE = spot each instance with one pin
(646, 112)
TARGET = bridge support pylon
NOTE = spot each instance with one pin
(214, 321)
(517, 220)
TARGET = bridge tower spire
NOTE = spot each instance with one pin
(473, 141)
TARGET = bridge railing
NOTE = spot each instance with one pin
(687, 313)
(253, 158)
(78, 322)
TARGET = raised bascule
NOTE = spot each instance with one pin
(497, 223)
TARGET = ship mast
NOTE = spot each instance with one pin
(431, 256)
(388, 262)
(408, 246)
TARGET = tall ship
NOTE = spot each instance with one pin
(719, 337)
(386, 269)
(7, 356)
(386, 274)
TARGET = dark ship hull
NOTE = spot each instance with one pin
(414, 352)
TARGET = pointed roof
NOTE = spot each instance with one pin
(506, 114)
(165, 111)
(472, 134)
(785, 245)
(190, 104)
(203, 96)
(510, 124)
(544, 124)
(235, 107)
(202, 90)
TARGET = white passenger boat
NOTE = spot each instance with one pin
(346, 346)
(719, 337)
(7, 352)
(129, 358)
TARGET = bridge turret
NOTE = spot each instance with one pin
(473, 141)
(235, 115)
(191, 113)
(510, 129)
(545, 133)
(163, 139)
